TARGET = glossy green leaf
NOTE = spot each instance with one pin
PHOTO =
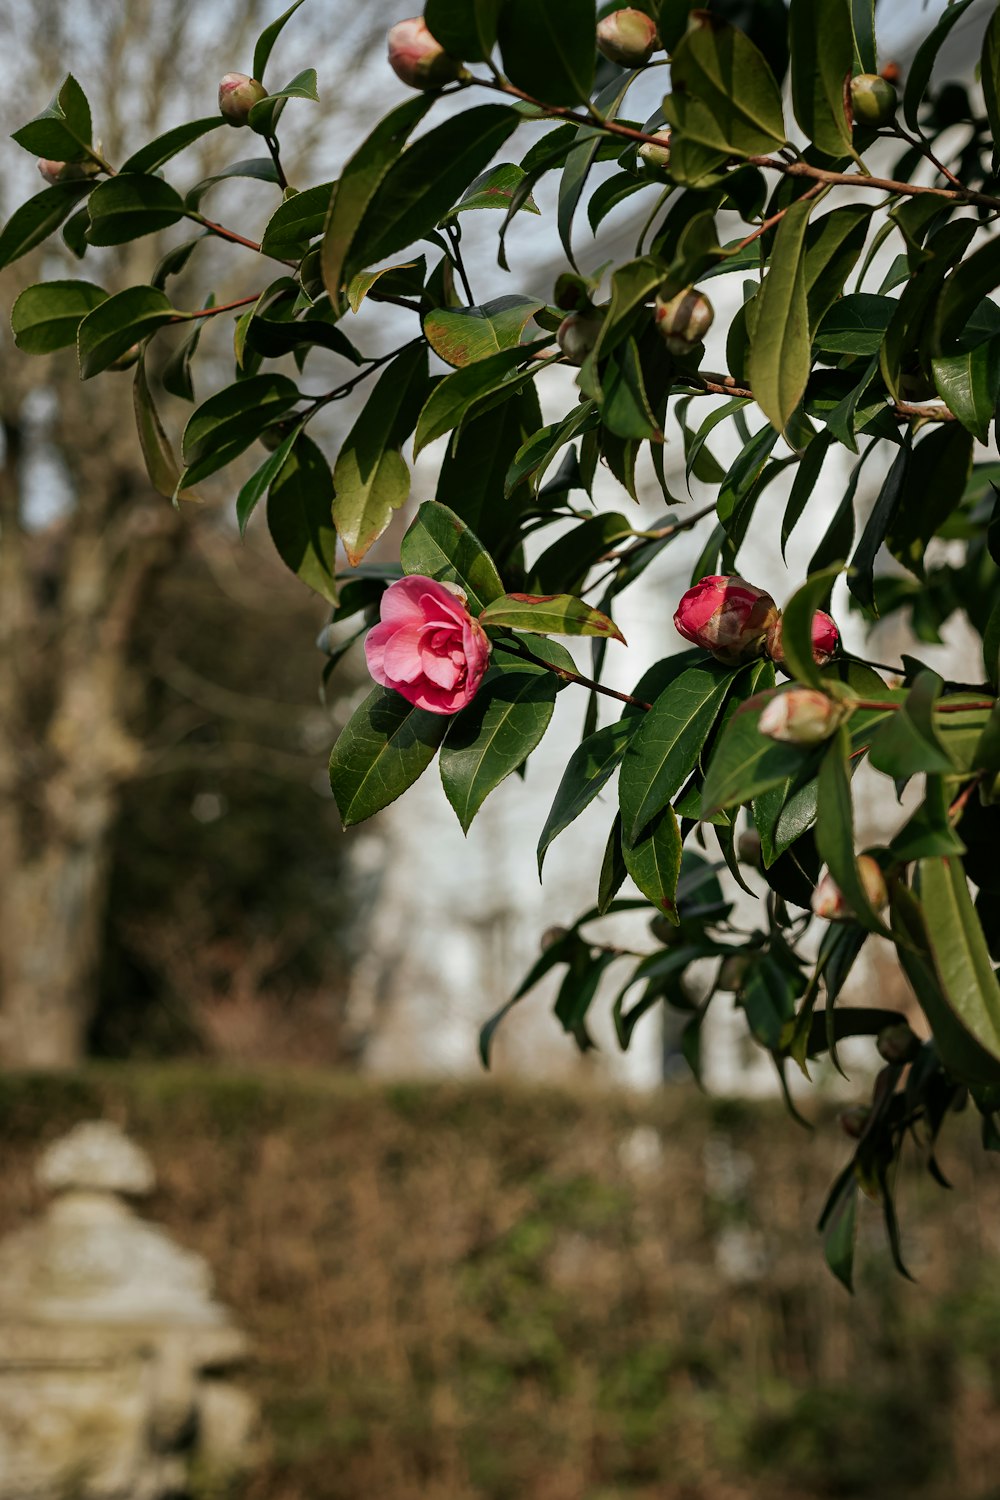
(668, 745)
(570, 559)
(746, 763)
(796, 625)
(654, 862)
(822, 47)
(960, 954)
(804, 484)
(357, 186)
(63, 130)
(833, 246)
(934, 483)
(158, 454)
(462, 335)
(860, 579)
(586, 150)
(265, 114)
(257, 486)
(440, 545)
(492, 189)
(381, 751)
(257, 168)
(228, 422)
(624, 401)
(35, 220)
(547, 48)
(296, 222)
(266, 40)
(46, 316)
(863, 27)
(493, 736)
(909, 742)
(125, 208)
(422, 184)
(725, 100)
(590, 767)
(166, 146)
(454, 397)
(839, 1227)
(115, 325)
(549, 614)
(855, 324)
(990, 75)
(465, 28)
(370, 475)
(918, 75)
(779, 345)
(363, 283)
(300, 517)
(969, 385)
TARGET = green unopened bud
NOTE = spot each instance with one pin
(238, 93)
(898, 1044)
(732, 973)
(853, 1121)
(656, 158)
(802, 716)
(627, 37)
(873, 99)
(684, 320)
(665, 931)
(578, 333)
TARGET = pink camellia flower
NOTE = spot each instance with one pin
(418, 58)
(427, 646)
(829, 901)
(825, 640)
(726, 616)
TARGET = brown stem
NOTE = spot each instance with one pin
(714, 383)
(568, 676)
(941, 708)
(233, 237)
(210, 312)
(775, 219)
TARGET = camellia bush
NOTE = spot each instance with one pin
(745, 737)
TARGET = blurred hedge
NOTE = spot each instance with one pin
(488, 1293)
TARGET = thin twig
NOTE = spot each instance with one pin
(272, 146)
(567, 676)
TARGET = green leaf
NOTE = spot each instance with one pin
(407, 277)
(453, 398)
(297, 221)
(549, 614)
(972, 279)
(804, 484)
(265, 114)
(779, 347)
(423, 183)
(126, 208)
(835, 829)
(933, 489)
(855, 324)
(493, 736)
(833, 246)
(570, 559)
(990, 75)
(462, 335)
(370, 476)
(969, 385)
(257, 486)
(579, 160)
(494, 188)
(746, 763)
(35, 220)
(588, 770)
(548, 48)
(440, 545)
(159, 151)
(267, 39)
(919, 73)
(357, 186)
(624, 401)
(112, 328)
(465, 28)
(654, 862)
(725, 101)
(839, 1226)
(863, 27)
(257, 168)
(822, 47)
(381, 751)
(669, 743)
(908, 742)
(161, 464)
(768, 997)
(47, 316)
(228, 422)
(63, 130)
(300, 518)
(961, 957)
(860, 579)
(796, 625)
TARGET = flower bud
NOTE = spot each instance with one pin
(627, 37)
(66, 171)
(684, 320)
(577, 335)
(825, 640)
(828, 899)
(801, 716)
(726, 616)
(873, 99)
(853, 1121)
(748, 848)
(551, 936)
(656, 158)
(418, 58)
(238, 93)
(898, 1044)
(732, 973)
(665, 931)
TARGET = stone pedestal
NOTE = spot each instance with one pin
(116, 1363)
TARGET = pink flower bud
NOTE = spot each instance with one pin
(825, 640)
(66, 171)
(657, 158)
(577, 335)
(238, 93)
(427, 646)
(801, 716)
(627, 37)
(684, 320)
(726, 616)
(828, 899)
(854, 1120)
(418, 58)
